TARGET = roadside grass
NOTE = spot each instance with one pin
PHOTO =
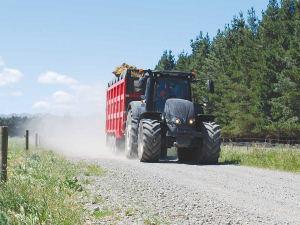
(172, 152)
(154, 220)
(276, 158)
(103, 213)
(42, 187)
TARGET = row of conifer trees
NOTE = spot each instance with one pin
(255, 65)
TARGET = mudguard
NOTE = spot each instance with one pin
(137, 108)
(150, 115)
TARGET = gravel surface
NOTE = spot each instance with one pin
(172, 193)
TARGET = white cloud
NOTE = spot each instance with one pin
(1, 62)
(9, 76)
(87, 98)
(61, 97)
(91, 93)
(55, 78)
(17, 94)
(2, 94)
(41, 104)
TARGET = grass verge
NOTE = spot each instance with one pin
(42, 187)
(277, 158)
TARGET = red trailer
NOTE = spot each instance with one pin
(120, 92)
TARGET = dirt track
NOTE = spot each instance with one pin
(173, 193)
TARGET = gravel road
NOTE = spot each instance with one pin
(172, 193)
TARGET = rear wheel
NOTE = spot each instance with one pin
(149, 140)
(131, 137)
(210, 150)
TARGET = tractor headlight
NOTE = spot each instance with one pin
(191, 121)
(176, 120)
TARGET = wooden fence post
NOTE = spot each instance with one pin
(36, 140)
(27, 139)
(4, 148)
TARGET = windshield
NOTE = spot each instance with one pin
(170, 88)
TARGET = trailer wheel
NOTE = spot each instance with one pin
(210, 150)
(119, 145)
(149, 140)
(131, 137)
(185, 154)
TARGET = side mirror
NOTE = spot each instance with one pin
(210, 85)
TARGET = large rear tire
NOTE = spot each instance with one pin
(131, 137)
(209, 152)
(149, 140)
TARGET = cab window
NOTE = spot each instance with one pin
(167, 88)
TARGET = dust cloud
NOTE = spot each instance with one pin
(82, 137)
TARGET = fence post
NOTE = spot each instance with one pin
(4, 148)
(36, 140)
(27, 139)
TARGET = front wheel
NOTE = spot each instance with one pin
(149, 140)
(209, 152)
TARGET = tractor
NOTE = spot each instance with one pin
(166, 117)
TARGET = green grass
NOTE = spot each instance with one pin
(97, 200)
(172, 152)
(277, 158)
(42, 187)
(103, 213)
(129, 211)
(94, 170)
(154, 220)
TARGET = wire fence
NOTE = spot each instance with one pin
(4, 149)
(261, 142)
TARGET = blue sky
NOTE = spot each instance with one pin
(57, 56)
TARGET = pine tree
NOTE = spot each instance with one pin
(182, 64)
(166, 62)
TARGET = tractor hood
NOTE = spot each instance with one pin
(179, 109)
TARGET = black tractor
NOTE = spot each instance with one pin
(166, 117)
